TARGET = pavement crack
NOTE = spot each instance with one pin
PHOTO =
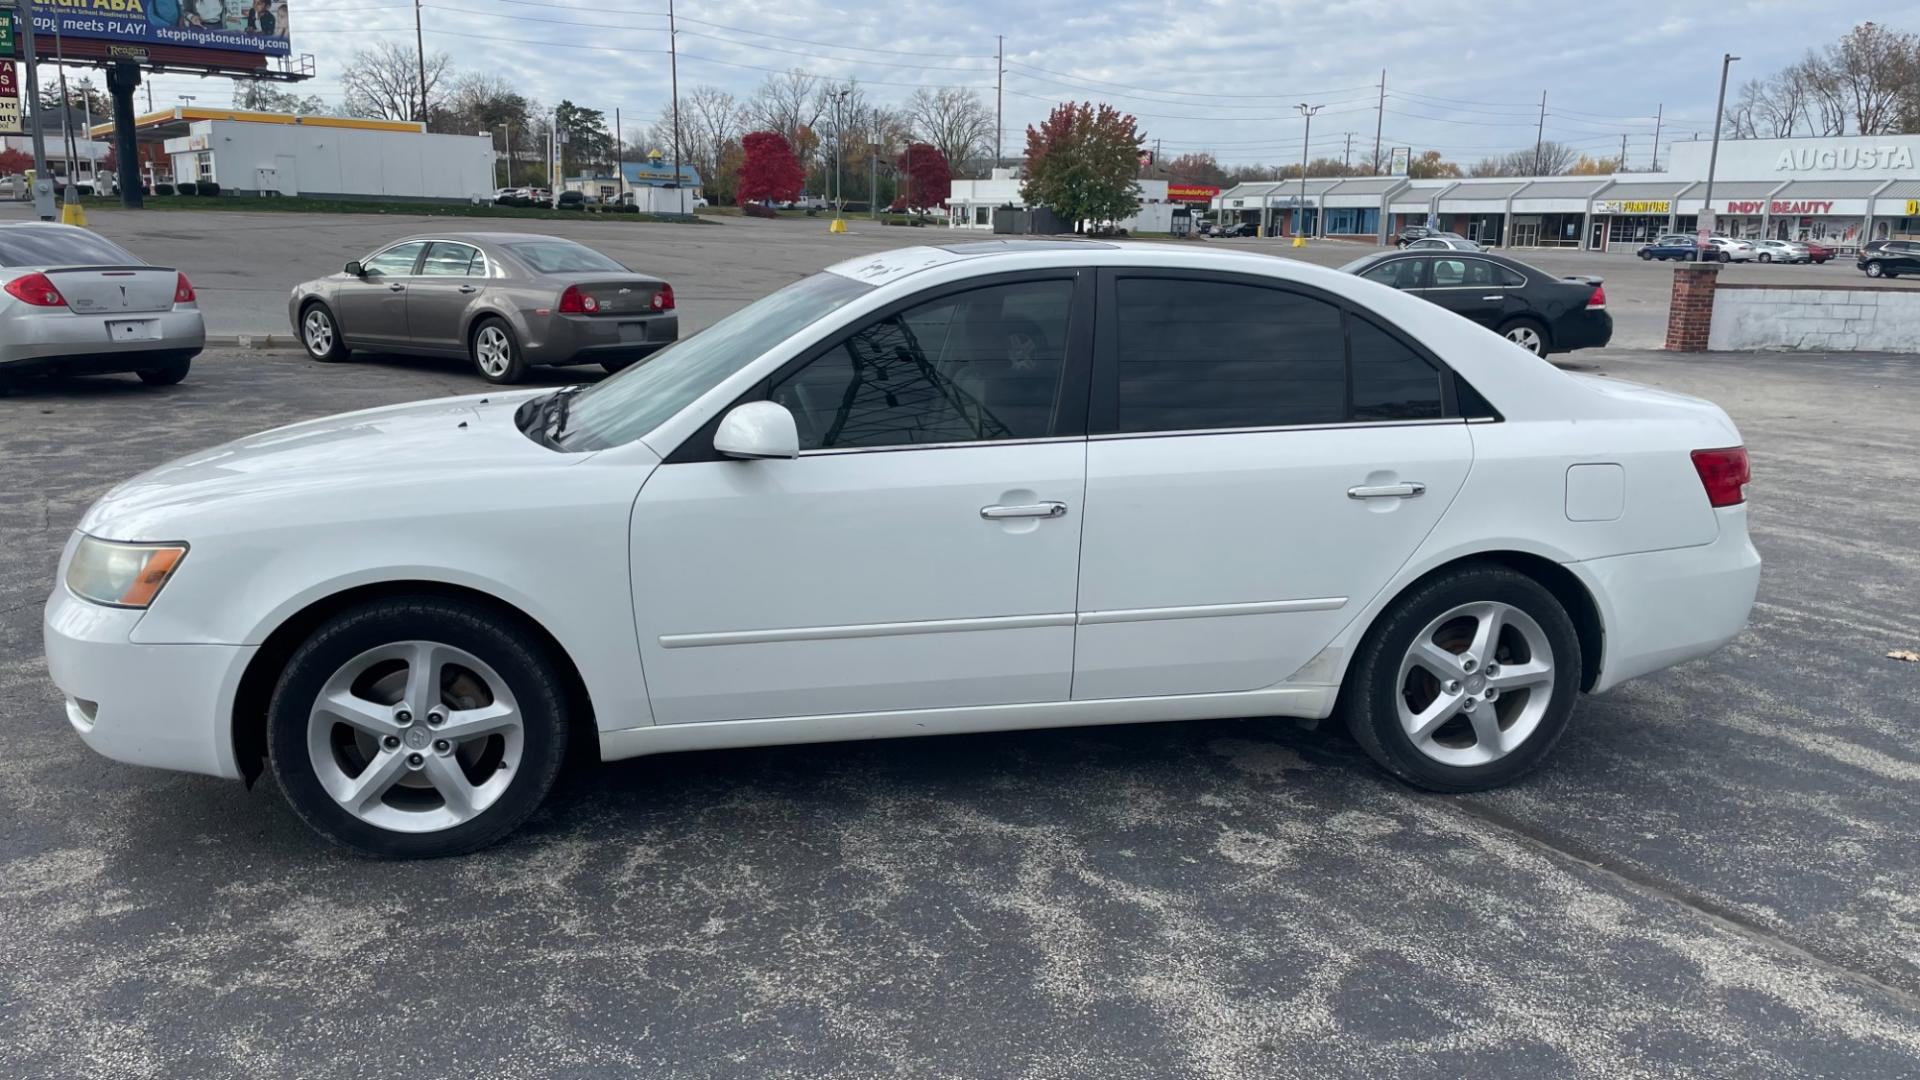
(1644, 883)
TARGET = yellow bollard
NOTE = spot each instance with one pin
(73, 214)
(1299, 241)
(838, 226)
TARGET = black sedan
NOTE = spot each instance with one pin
(1527, 306)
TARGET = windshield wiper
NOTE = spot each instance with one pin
(553, 413)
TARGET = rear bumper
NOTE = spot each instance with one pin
(582, 339)
(1662, 608)
(1582, 330)
(61, 341)
(157, 705)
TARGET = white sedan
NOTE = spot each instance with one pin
(982, 487)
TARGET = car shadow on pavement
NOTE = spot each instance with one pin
(446, 365)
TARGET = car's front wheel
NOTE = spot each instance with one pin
(1874, 269)
(417, 727)
(1527, 334)
(1466, 682)
(496, 353)
(1766, 257)
(1726, 257)
(1645, 255)
(320, 334)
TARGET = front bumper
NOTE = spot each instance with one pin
(586, 339)
(167, 706)
(50, 340)
(1662, 608)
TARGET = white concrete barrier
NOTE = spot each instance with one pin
(1868, 318)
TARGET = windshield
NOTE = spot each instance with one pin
(634, 402)
(59, 245)
(563, 257)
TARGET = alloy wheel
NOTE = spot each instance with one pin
(1475, 684)
(319, 332)
(1527, 338)
(415, 736)
(493, 351)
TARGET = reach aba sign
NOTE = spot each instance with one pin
(254, 26)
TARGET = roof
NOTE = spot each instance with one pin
(1645, 189)
(1736, 189)
(1369, 185)
(1570, 188)
(174, 122)
(1827, 189)
(1473, 190)
(1902, 189)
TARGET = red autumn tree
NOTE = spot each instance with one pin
(15, 162)
(1082, 161)
(925, 176)
(769, 171)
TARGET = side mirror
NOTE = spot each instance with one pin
(758, 429)
(356, 269)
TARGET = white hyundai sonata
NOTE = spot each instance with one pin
(983, 487)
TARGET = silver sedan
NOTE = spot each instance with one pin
(74, 303)
(505, 301)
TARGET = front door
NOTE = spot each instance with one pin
(372, 309)
(923, 549)
(1599, 239)
(439, 295)
(1243, 504)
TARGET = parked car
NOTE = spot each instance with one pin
(1727, 249)
(1786, 251)
(16, 188)
(1672, 246)
(505, 301)
(817, 520)
(1416, 232)
(1818, 252)
(1237, 228)
(1529, 307)
(571, 200)
(75, 303)
(1889, 258)
(1442, 243)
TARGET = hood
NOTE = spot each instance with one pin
(333, 457)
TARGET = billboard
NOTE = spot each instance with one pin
(1398, 159)
(9, 99)
(248, 26)
(1191, 193)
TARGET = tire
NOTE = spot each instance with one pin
(1726, 257)
(166, 374)
(1875, 270)
(1389, 694)
(495, 352)
(1766, 256)
(499, 773)
(1645, 255)
(1529, 334)
(320, 334)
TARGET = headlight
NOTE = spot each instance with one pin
(121, 575)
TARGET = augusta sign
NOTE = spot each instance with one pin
(1841, 158)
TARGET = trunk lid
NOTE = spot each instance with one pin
(618, 295)
(115, 290)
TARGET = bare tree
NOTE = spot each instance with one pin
(384, 81)
(1870, 67)
(1771, 108)
(791, 104)
(955, 121)
(1552, 159)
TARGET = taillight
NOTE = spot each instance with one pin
(182, 289)
(1598, 301)
(1724, 473)
(575, 302)
(663, 300)
(35, 289)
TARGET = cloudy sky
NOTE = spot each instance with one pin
(1463, 76)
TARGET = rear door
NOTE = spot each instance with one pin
(1248, 488)
(1409, 274)
(1473, 288)
(372, 309)
(451, 275)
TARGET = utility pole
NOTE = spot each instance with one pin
(673, 66)
(1658, 115)
(1379, 113)
(1306, 139)
(420, 53)
(1347, 160)
(1622, 167)
(873, 182)
(149, 97)
(999, 88)
(620, 156)
(1705, 225)
(1539, 133)
(42, 183)
(509, 138)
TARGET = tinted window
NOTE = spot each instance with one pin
(452, 260)
(1399, 273)
(59, 245)
(1453, 273)
(1208, 354)
(1508, 276)
(395, 260)
(564, 257)
(983, 364)
(1390, 380)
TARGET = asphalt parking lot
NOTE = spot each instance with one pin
(243, 264)
(1716, 875)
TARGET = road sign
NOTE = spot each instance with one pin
(9, 99)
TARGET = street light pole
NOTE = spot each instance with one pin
(42, 183)
(420, 54)
(1705, 226)
(839, 148)
(1306, 139)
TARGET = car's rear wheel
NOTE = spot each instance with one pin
(1766, 257)
(1527, 334)
(166, 374)
(496, 353)
(1466, 682)
(1874, 269)
(320, 334)
(417, 727)
(1726, 256)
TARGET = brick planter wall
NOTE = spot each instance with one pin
(1690, 318)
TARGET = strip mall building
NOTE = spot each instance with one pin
(1842, 191)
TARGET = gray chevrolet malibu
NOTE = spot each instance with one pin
(505, 301)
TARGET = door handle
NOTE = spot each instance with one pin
(1495, 296)
(396, 287)
(1388, 491)
(469, 288)
(1027, 510)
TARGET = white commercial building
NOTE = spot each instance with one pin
(246, 157)
(1840, 190)
(971, 203)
